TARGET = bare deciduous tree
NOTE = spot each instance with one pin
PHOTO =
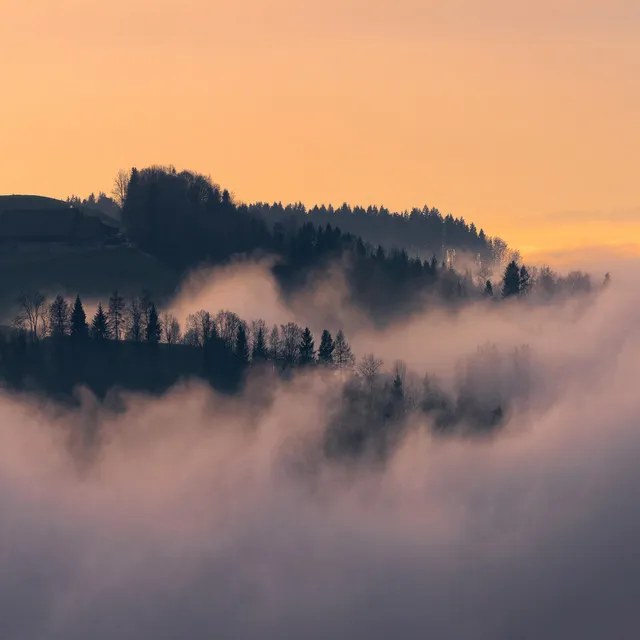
(368, 368)
(227, 324)
(200, 328)
(120, 186)
(33, 314)
(170, 328)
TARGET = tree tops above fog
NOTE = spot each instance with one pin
(186, 220)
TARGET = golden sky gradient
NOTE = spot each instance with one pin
(521, 115)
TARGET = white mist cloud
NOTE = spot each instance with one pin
(200, 516)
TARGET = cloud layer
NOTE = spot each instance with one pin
(199, 516)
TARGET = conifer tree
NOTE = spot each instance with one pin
(525, 281)
(325, 352)
(259, 351)
(153, 330)
(242, 345)
(115, 315)
(511, 280)
(79, 326)
(59, 317)
(307, 351)
(99, 325)
(342, 355)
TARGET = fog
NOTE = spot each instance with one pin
(198, 516)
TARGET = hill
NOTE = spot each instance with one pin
(89, 271)
(42, 203)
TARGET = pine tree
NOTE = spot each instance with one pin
(59, 317)
(259, 351)
(153, 330)
(488, 289)
(524, 281)
(511, 280)
(325, 352)
(306, 349)
(79, 326)
(115, 315)
(242, 345)
(397, 389)
(99, 325)
(342, 355)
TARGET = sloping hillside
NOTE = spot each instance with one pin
(42, 203)
(91, 272)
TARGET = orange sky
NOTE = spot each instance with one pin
(521, 115)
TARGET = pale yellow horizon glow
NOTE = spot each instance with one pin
(521, 116)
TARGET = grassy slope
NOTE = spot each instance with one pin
(26, 202)
(91, 272)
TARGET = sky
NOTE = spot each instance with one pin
(519, 115)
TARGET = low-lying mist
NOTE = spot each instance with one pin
(198, 515)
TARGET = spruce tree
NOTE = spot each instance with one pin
(524, 281)
(306, 349)
(79, 326)
(115, 315)
(242, 345)
(511, 280)
(59, 317)
(153, 330)
(99, 325)
(259, 351)
(325, 352)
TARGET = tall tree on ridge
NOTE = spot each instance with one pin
(115, 315)
(79, 326)
(59, 317)
(153, 330)
(99, 325)
(306, 348)
(325, 352)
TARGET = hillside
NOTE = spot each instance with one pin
(42, 203)
(89, 271)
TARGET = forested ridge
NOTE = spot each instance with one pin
(187, 221)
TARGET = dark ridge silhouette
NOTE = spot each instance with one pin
(186, 221)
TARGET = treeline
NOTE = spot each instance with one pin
(55, 348)
(421, 232)
(186, 221)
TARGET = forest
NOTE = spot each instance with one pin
(188, 222)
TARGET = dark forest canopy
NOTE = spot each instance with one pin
(186, 221)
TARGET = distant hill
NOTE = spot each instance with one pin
(42, 203)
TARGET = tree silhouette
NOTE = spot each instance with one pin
(488, 289)
(153, 330)
(134, 320)
(33, 315)
(59, 317)
(325, 352)
(115, 315)
(307, 351)
(99, 325)
(242, 345)
(511, 280)
(79, 326)
(525, 281)
(342, 354)
(369, 367)
(259, 350)
(120, 187)
(171, 329)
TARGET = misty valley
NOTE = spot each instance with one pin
(276, 421)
